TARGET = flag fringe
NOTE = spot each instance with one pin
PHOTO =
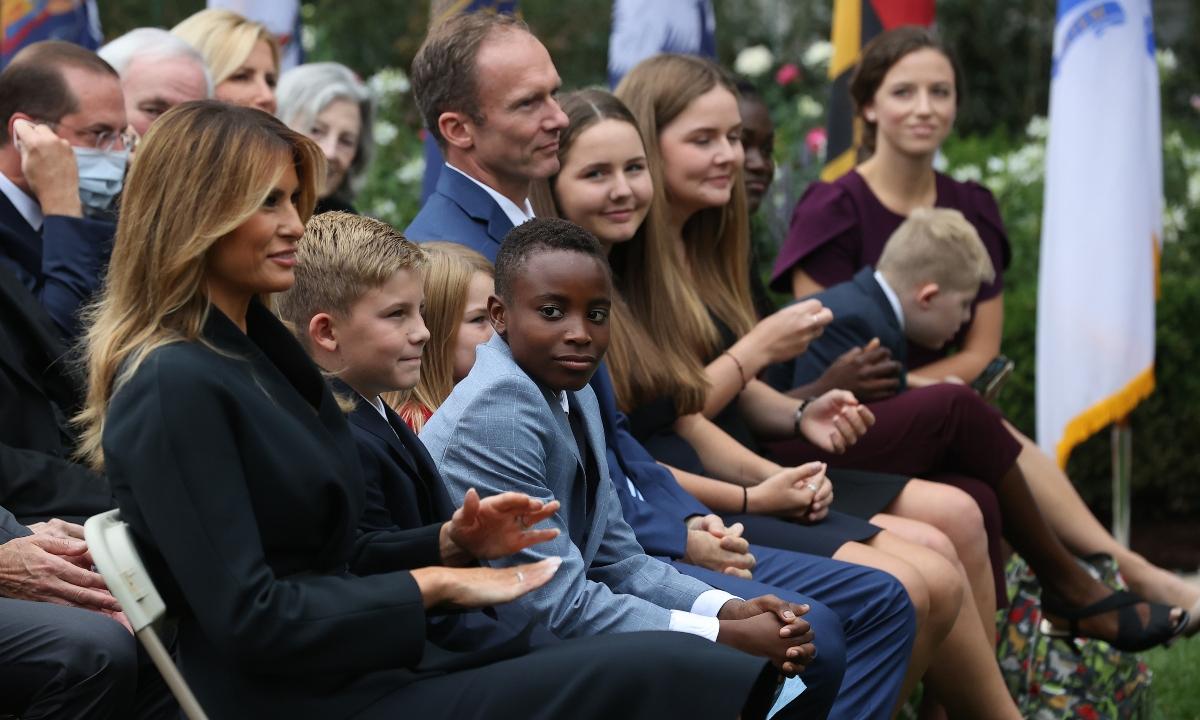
(1109, 410)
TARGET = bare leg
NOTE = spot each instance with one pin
(1073, 522)
(962, 672)
(956, 515)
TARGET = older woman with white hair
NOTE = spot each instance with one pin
(327, 102)
(158, 71)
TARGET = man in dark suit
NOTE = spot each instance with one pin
(60, 656)
(929, 273)
(485, 86)
(62, 152)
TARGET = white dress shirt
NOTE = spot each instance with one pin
(893, 299)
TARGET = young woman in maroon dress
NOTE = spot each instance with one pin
(906, 94)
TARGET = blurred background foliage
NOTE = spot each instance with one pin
(1004, 49)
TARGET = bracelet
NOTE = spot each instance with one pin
(741, 370)
(799, 414)
(745, 499)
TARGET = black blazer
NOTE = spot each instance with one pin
(237, 472)
(404, 488)
(61, 264)
(861, 311)
(38, 394)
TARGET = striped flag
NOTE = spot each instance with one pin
(24, 22)
(1102, 222)
(855, 22)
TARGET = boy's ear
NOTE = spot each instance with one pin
(496, 313)
(320, 332)
(927, 292)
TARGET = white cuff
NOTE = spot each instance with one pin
(702, 625)
(710, 602)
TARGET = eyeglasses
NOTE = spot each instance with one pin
(101, 139)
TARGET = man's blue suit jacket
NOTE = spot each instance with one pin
(460, 211)
(861, 311)
(61, 265)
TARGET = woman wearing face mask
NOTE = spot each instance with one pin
(906, 92)
(242, 55)
(458, 282)
(328, 103)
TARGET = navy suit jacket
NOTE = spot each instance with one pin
(61, 265)
(460, 211)
(861, 311)
(652, 501)
(38, 393)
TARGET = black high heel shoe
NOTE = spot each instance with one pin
(1132, 635)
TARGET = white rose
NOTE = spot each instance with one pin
(754, 61)
(384, 132)
(818, 54)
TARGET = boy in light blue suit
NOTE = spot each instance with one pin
(525, 419)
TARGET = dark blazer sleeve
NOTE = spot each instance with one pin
(173, 457)
(849, 329)
(75, 252)
(38, 486)
(378, 551)
(10, 528)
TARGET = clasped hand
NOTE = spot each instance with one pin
(801, 493)
(53, 566)
(835, 421)
(769, 627)
(712, 545)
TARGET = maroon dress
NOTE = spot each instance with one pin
(937, 433)
(838, 228)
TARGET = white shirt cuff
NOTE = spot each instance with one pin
(710, 602)
(702, 625)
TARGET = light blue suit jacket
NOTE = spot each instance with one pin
(501, 431)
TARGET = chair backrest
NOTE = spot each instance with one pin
(117, 560)
(116, 557)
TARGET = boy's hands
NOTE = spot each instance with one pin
(494, 527)
(712, 545)
(869, 372)
(769, 627)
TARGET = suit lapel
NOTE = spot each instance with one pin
(18, 239)
(895, 340)
(27, 318)
(475, 202)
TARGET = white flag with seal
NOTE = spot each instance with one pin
(1102, 222)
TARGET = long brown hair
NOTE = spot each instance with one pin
(673, 303)
(170, 217)
(878, 57)
(449, 269)
(639, 375)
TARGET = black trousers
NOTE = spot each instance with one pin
(649, 675)
(65, 662)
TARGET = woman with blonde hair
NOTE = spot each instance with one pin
(235, 468)
(242, 55)
(458, 282)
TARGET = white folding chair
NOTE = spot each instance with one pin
(117, 560)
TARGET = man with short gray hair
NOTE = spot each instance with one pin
(158, 71)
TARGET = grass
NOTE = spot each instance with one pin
(1176, 683)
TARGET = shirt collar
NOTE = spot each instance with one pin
(377, 403)
(562, 400)
(27, 206)
(516, 214)
(893, 299)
